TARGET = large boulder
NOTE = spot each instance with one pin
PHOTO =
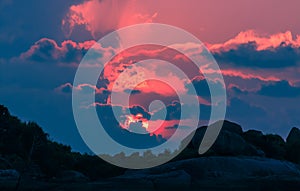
(230, 126)
(226, 126)
(34, 171)
(229, 143)
(272, 145)
(294, 136)
(5, 164)
(229, 140)
(293, 145)
(9, 174)
(254, 137)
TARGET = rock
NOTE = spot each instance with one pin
(272, 145)
(9, 174)
(254, 137)
(33, 171)
(255, 172)
(4, 163)
(226, 126)
(230, 167)
(293, 145)
(229, 141)
(71, 176)
(175, 179)
(137, 182)
(231, 127)
(294, 136)
(198, 136)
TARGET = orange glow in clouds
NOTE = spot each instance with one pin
(138, 118)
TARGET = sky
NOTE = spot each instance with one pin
(255, 43)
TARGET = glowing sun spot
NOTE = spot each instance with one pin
(138, 118)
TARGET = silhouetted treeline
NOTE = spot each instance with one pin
(23, 145)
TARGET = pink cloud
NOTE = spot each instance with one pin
(100, 17)
(263, 41)
(249, 75)
(88, 88)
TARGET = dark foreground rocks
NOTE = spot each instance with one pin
(9, 174)
(221, 173)
(55, 166)
(71, 176)
(205, 173)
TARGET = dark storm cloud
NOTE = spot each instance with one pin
(121, 112)
(202, 88)
(136, 109)
(237, 90)
(172, 127)
(65, 88)
(132, 91)
(176, 126)
(279, 89)
(247, 55)
(48, 51)
(173, 112)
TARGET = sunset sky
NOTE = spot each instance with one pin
(256, 44)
